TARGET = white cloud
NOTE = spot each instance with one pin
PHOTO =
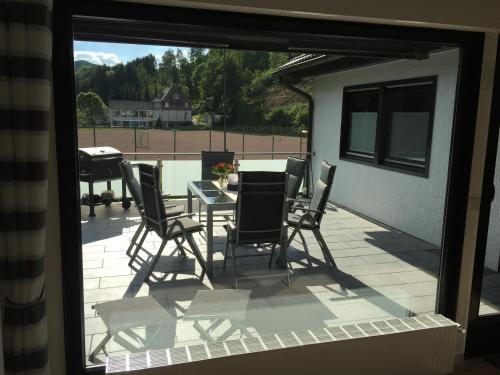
(100, 58)
(158, 58)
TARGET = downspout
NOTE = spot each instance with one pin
(310, 118)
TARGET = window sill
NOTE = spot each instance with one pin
(424, 172)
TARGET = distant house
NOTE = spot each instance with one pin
(171, 108)
(131, 113)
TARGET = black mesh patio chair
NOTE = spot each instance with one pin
(179, 228)
(295, 168)
(260, 214)
(135, 190)
(311, 216)
(208, 160)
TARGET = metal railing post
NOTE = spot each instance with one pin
(224, 103)
(300, 145)
(209, 139)
(159, 164)
(135, 143)
(175, 142)
(272, 149)
(95, 143)
(243, 150)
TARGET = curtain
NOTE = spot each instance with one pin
(25, 105)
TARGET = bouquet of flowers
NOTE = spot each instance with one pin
(222, 170)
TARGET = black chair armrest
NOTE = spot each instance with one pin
(298, 204)
(230, 224)
(311, 210)
(174, 218)
(297, 200)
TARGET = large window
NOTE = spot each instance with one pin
(389, 124)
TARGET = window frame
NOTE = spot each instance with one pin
(380, 157)
(461, 148)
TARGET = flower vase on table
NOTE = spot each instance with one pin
(222, 170)
(222, 181)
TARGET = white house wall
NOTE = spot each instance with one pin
(412, 204)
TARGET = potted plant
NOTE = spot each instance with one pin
(222, 170)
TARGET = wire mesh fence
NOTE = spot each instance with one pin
(177, 143)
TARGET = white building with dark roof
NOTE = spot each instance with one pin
(402, 183)
(131, 113)
(171, 108)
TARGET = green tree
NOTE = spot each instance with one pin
(168, 69)
(299, 113)
(91, 110)
(186, 67)
(209, 78)
(277, 59)
(253, 97)
(279, 117)
(197, 55)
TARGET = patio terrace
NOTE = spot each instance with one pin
(383, 273)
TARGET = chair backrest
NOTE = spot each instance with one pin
(261, 207)
(295, 168)
(131, 182)
(322, 190)
(211, 158)
(154, 210)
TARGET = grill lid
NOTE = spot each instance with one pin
(100, 151)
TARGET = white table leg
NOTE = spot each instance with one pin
(190, 201)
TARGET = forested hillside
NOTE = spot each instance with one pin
(254, 98)
(81, 63)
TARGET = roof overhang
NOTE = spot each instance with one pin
(340, 56)
(295, 71)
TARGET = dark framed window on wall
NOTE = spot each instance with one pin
(389, 124)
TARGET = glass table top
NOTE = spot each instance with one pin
(210, 193)
(205, 185)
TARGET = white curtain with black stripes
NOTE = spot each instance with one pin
(25, 104)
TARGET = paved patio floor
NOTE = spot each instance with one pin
(382, 273)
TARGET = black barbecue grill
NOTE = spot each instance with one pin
(98, 164)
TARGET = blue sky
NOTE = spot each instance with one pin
(114, 53)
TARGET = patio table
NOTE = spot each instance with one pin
(215, 199)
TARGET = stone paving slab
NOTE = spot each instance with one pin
(382, 273)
